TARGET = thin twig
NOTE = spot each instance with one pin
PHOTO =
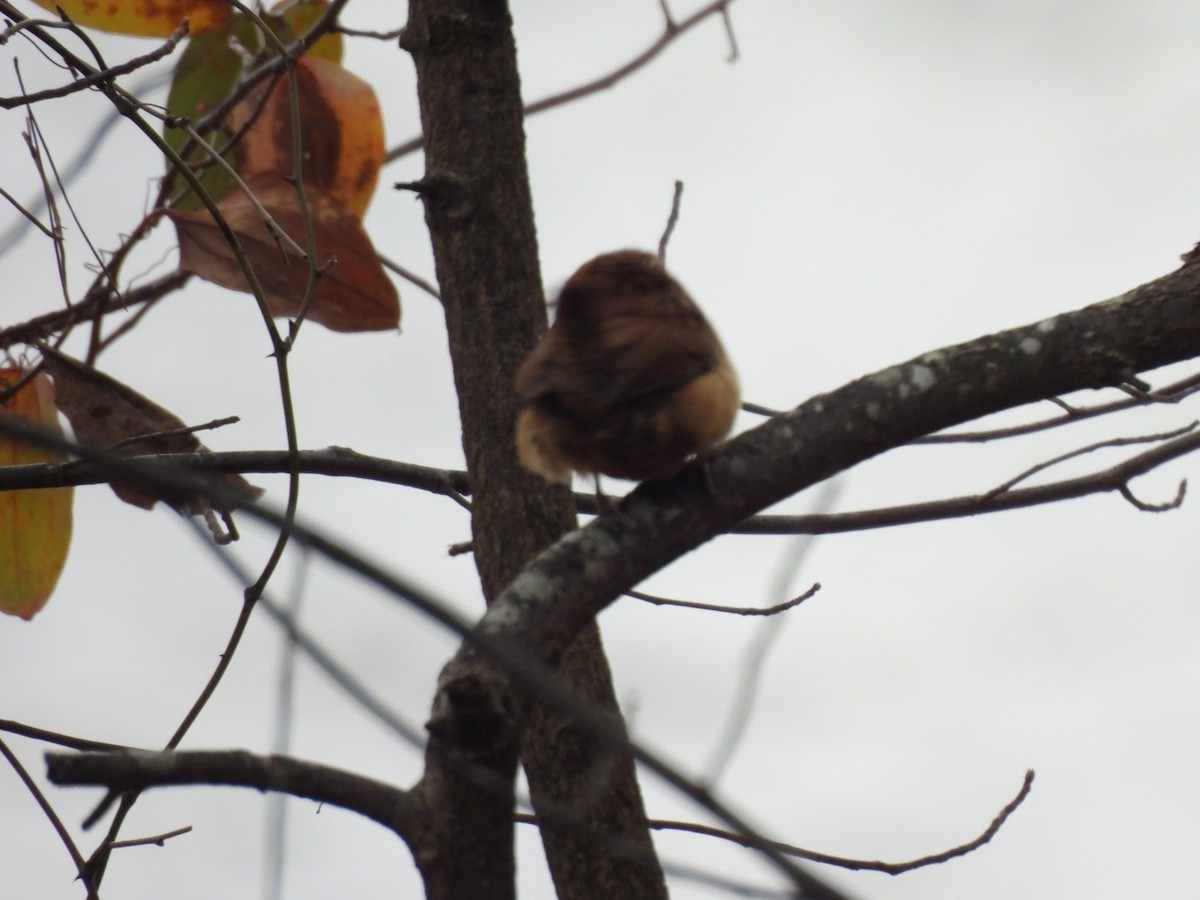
(754, 659)
(759, 410)
(366, 33)
(1115, 478)
(157, 840)
(34, 220)
(47, 809)
(410, 276)
(735, 610)
(102, 76)
(274, 228)
(604, 82)
(36, 144)
(1143, 506)
(733, 46)
(672, 219)
(1081, 451)
(175, 432)
(54, 737)
(96, 304)
(1172, 393)
(668, 19)
(891, 868)
(323, 659)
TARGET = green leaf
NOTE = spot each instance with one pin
(207, 72)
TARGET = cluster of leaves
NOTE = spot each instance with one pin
(268, 191)
(252, 213)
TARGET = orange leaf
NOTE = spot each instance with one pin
(352, 294)
(144, 18)
(341, 131)
(35, 525)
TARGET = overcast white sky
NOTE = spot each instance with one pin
(867, 182)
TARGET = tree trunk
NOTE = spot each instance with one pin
(480, 216)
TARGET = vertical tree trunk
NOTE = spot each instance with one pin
(480, 216)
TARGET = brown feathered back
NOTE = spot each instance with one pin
(629, 381)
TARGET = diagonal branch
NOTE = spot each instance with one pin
(843, 862)
(561, 590)
(101, 76)
(1099, 346)
(672, 30)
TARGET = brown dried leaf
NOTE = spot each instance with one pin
(352, 294)
(104, 413)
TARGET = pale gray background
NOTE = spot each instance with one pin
(868, 181)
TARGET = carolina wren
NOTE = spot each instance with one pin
(629, 381)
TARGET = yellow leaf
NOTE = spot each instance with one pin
(301, 15)
(35, 525)
(143, 18)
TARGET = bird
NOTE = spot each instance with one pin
(630, 381)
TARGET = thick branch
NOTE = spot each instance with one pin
(1099, 346)
(136, 770)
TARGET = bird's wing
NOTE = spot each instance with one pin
(639, 356)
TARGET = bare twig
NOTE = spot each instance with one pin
(97, 304)
(670, 33)
(321, 657)
(1172, 393)
(36, 144)
(1090, 448)
(736, 610)
(410, 276)
(366, 33)
(102, 76)
(175, 432)
(756, 653)
(1115, 478)
(282, 238)
(42, 802)
(1175, 503)
(54, 737)
(733, 46)
(668, 19)
(34, 220)
(157, 840)
(891, 868)
(672, 219)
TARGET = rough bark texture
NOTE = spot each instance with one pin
(480, 216)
